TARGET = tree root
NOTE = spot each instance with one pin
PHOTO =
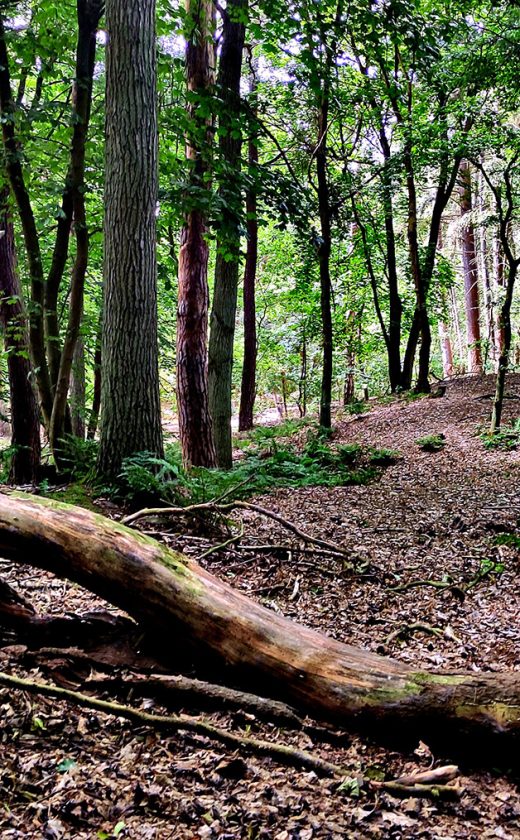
(421, 627)
(280, 752)
(430, 784)
(215, 507)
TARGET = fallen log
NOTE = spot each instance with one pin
(170, 594)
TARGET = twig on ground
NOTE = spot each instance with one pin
(417, 626)
(228, 506)
(431, 783)
(214, 548)
(281, 752)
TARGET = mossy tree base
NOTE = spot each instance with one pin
(189, 607)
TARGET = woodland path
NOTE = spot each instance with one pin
(66, 773)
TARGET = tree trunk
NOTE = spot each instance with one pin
(25, 416)
(396, 306)
(77, 390)
(178, 599)
(446, 350)
(248, 386)
(498, 282)
(504, 325)
(470, 269)
(61, 365)
(324, 257)
(195, 427)
(223, 314)
(72, 209)
(130, 405)
(96, 397)
(15, 175)
(489, 306)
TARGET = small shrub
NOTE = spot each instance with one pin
(431, 443)
(384, 457)
(510, 540)
(79, 456)
(507, 437)
(358, 407)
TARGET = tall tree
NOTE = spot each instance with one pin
(500, 179)
(248, 385)
(25, 415)
(130, 407)
(193, 303)
(223, 313)
(470, 270)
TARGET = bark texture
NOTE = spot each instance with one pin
(25, 416)
(470, 269)
(183, 601)
(223, 313)
(130, 405)
(324, 251)
(248, 385)
(73, 209)
(195, 429)
(15, 175)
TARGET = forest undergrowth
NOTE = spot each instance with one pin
(426, 572)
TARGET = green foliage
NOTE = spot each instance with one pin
(507, 437)
(358, 407)
(510, 540)
(432, 443)
(79, 456)
(145, 478)
(384, 457)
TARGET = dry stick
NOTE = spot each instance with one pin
(405, 786)
(413, 584)
(222, 508)
(280, 752)
(411, 628)
(225, 544)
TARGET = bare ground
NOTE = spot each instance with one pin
(66, 773)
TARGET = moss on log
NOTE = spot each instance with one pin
(189, 607)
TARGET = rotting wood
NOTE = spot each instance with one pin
(189, 607)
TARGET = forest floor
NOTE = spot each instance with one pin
(439, 516)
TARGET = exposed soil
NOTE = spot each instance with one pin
(66, 773)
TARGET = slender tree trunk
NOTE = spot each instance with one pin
(25, 417)
(498, 282)
(15, 175)
(302, 383)
(446, 349)
(248, 387)
(195, 427)
(423, 323)
(470, 268)
(396, 306)
(77, 390)
(489, 306)
(409, 355)
(324, 257)
(223, 314)
(504, 324)
(96, 398)
(88, 15)
(130, 407)
(61, 362)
